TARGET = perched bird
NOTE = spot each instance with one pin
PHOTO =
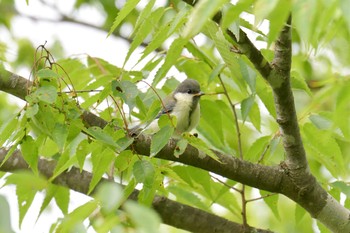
(182, 103)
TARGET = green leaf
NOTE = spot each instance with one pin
(60, 134)
(165, 31)
(81, 153)
(249, 75)
(246, 106)
(345, 6)
(324, 148)
(342, 186)
(257, 148)
(77, 216)
(110, 196)
(32, 110)
(224, 48)
(200, 145)
(298, 82)
(61, 195)
(8, 128)
(27, 185)
(101, 163)
(123, 160)
(271, 202)
(299, 214)
(216, 72)
(46, 73)
(320, 121)
(304, 18)
(125, 11)
(141, 32)
(254, 116)
(201, 13)
(102, 136)
(187, 197)
(278, 18)
(145, 219)
(46, 94)
(5, 220)
(180, 148)
(160, 139)
(30, 152)
(173, 54)
(144, 172)
(125, 90)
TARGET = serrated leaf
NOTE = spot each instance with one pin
(278, 18)
(324, 149)
(25, 198)
(201, 13)
(254, 116)
(30, 152)
(144, 172)
(249, 75)
(216, 71)
(185, 196)
(257, 148)
(146, 26)
(8, 128)
(27, 185)
(77, 216)
(165, 31)
(125, 11)
(61, 196)
(160, 139)
(246, 106)
(224, 49)
(173, 54)
(101, 162)
(271, 202)
(299, 82)
(102, 136)
(200, 145)
(145, 219)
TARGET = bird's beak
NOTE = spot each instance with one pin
(199, 94)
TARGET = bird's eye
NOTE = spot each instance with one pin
(189, 91)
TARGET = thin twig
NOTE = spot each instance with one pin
(262, 197)
(231, 187)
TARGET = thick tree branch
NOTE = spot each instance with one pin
(173, 213)
(311, 196)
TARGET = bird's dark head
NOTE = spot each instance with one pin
(191, 87)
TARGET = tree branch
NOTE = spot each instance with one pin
(311, 197)
(173, 213)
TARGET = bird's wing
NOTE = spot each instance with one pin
(169, 104)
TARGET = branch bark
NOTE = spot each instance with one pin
(172, 213)
(302, 189)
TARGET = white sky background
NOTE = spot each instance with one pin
(76, 40)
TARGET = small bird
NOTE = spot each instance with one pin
(182, 103)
